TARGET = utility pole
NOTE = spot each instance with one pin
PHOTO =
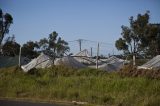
(80, 44)
(97, 56)
(91, 51)
(113, 52)
(20, 56)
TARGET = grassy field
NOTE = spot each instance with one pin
(87, 85)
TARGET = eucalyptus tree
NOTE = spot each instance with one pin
(5, 21)
(62, 47)
(141, 37)
(54, 46)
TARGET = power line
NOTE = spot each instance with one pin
(104, 47)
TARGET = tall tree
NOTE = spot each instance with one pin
(139, 36)
(5, 21)
(152, 38)
(54, 45)
(62, 47)
(53, 41)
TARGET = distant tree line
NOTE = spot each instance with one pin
(141, 38)
(53, 45)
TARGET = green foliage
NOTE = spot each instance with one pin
(10, 48)
(28, 49)
(87, 85)
(5, 21)
(54, 45)
(43, 44)
(121, 44)
(141, 37)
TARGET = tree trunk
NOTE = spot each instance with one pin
(134, 52)
(3, 32)
(134, 59)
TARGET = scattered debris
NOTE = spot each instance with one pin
(42, 61)
(69, 61)
(79, 103)
(154, 63)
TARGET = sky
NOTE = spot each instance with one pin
(94, 20)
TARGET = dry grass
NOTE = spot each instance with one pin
(84, 85)
(131, 71)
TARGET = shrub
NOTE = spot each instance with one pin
(131, 71)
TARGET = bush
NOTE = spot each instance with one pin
(131, 71)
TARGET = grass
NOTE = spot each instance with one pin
(87, 85)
